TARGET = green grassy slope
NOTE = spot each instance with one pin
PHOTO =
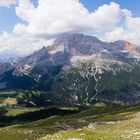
(107, 123)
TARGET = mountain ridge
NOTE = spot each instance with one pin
(79, 69)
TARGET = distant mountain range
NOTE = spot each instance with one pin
(78, 69)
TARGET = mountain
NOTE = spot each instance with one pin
(79, 69)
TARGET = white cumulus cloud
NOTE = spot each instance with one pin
(53, 17)
(129, 31)
(7, 3)
(12, 45)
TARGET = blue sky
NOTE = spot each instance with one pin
(133, 5)
(8, 17)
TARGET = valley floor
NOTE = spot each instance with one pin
(95, 123)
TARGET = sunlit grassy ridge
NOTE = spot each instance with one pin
(118, 125)
(107, 123)
(18, 111)
(8, 98)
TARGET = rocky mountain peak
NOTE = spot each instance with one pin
(68, 46)
(71, 38)
(129, 47)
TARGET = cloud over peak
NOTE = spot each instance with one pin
(50, 17)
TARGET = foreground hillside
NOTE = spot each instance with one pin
(100, 122)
